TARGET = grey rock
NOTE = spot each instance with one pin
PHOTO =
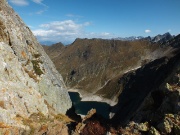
(153, 131)
(165, 127)
(29, 82)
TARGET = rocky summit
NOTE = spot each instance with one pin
(29, 82)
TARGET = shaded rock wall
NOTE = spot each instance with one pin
(151, 91)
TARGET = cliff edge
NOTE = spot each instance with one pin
(29, 82)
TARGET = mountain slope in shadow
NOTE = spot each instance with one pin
(93, 66)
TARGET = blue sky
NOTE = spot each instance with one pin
(65, 20)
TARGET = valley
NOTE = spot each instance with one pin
(94, 66)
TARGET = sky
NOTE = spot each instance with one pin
(65, 20)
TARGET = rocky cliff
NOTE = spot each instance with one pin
(29, 82)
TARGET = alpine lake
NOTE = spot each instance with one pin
(82, 107)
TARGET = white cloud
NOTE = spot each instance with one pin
(42, 4)
(62, 26)
(25, 3)
(66, 31)
(147, 31)
(19, 2)
(105, 33)
(37, 1)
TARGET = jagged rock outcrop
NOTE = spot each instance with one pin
(92, 124)
(29, 82)
(162, 38)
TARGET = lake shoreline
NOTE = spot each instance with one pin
(83, 107)
(90, 97)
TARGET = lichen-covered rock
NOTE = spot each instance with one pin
(153, 131)
(143, 126)
(165, 127)
(29, 82)
(170, 124)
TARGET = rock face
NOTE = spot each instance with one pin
(29, 82)
(91, 124)
(162, 38)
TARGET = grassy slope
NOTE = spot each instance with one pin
(93, 64)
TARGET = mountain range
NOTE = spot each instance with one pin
(158, 38)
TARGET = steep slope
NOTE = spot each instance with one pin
(93, 65)
(29, 82)
(55, 49)
(149, 101)
(151, 96)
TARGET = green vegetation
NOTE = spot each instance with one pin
(36, 67)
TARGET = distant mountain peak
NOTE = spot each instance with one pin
(131, 38)
(159, 38)
(162, 38)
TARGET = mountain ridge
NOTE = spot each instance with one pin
(100, 61)
(158, 38)
(146, 95)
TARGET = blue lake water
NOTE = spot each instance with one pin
(82, 107)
